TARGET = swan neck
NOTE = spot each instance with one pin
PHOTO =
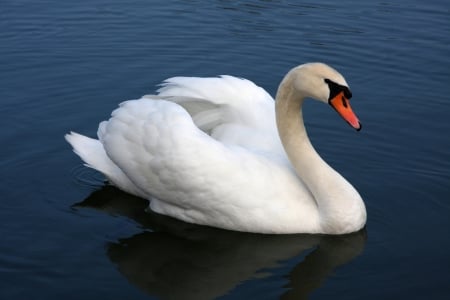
(340, 207)
(290, 124)
(308, 164)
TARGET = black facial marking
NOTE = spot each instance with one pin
(335, 89)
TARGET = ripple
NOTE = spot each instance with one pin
(85, 176)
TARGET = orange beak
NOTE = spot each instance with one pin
(342, 105)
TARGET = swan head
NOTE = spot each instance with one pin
(321, 82)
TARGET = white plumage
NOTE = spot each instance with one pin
(207, 151)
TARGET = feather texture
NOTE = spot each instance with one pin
(206, 151)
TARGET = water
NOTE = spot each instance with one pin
(64, 66)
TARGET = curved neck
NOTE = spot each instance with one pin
(337, 201)
(309, 166)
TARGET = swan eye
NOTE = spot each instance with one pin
(336, 88)
(347, 92)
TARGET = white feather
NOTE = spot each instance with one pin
(206, 151)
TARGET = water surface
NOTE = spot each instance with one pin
(65, 65)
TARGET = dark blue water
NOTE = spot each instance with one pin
(65, 65)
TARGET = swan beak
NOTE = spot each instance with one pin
(342, 105)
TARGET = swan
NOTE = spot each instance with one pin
(221, 152)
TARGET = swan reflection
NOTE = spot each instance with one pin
(176, 260)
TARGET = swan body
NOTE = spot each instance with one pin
(220, 152)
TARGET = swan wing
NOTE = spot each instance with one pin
(240, 100)
(232, 110)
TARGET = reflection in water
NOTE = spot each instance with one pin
(177, 260)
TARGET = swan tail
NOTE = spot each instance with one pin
(92, 152)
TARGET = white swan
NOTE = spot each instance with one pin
(207, 151)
